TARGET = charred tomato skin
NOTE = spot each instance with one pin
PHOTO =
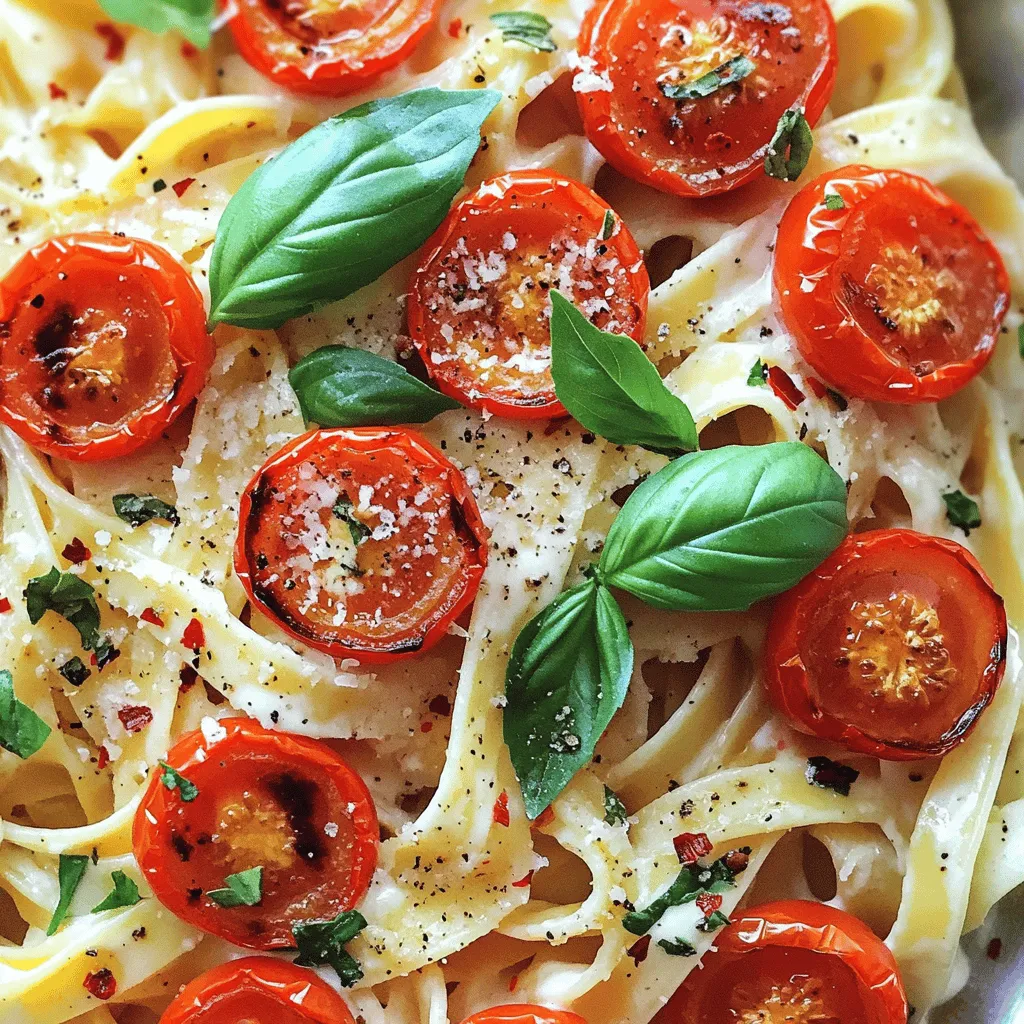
(840, 947)
(897, 226)
(343, 448)
(958, 579)
(182, 855)
(310, 59)
(145, 310)
(523, 1013)
(538, 209)
(713, 144)
(259, 989)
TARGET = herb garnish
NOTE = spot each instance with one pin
(323, 942)
(243, 889)
(677, 947)
(358, 530)
(70, 869)
(525, 27)
(758, 376)
(136, 509)
(191, 18)
(22, 731)
(834, 201)
(716, 919)
(614, 808)
(790, 148)
(607, 226)
(124, 894)
(962, 511)
(729, 73)
(74, 671)
(829, 774)
(173, 779)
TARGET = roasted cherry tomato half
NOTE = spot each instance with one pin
(893, 646)
(328, 48)
(686, 95)
(258, 990)
(479, 305)
(103, 343)
(285, 803)
(894, 293)
(792, 961)
(362, 542)
(524, 1013)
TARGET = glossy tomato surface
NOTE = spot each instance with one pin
(792, 960)
(637, 55)
(328, 48)
(362, 542)
(893, 646)
(897, 295)
(103, 344)
(524, 1013)
(257, 990)
(480, 306)
(265, 799)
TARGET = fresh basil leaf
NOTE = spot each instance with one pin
(719, 530)
(567, 675)
(347, 387)
(74, 671)
(715, 920)
(729, 73)
(22, 731)
(125, 893)
(323, 942)
(70, 869)
(173, 779)
(609, 386)
(790, 148)
(342, 204)
(677, 947)
(614, 808)
(962, 511)
(70, 597)
(244, 889)
(834, 201)
(191, 18)
(525, 27)
(828, 774)
(136, 509)
(758, 376)
(357, 529)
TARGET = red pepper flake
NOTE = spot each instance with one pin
(524, 881)
(501, 816)
(544, 818)
(115, 41)
(188, 51)
(76, 552)
(708, 903)
(455, 27)
(56, 92)
(102, 984)
(181, 187)
(638, 951)
(994, 948)
(513, 983)
(135, 717)
(5, 605)
(188, 676)
(781, 745)
(149, 615)
(782, 384)
(426, 726)
(194, 636)
(690, 847)
(819, 389)
(102, 758)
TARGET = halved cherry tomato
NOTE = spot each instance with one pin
(748, 63)
(792, 961)
(363, 542)
(258, 990)
(328, 48)
(893, 646)
(103, 343)
(479, 308)
(524, 1013)
(894, 296)
(266, 799)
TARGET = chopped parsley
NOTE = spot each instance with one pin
(525, 27)
(758, 376)
(173, 779)
(790, 148)
(962, 511)
(829, 774)
(834, 201)
(71, 867)
(124, 894)
(729, 73)
(22, 731)
(323, 942)
(614, 808)
(244, 889)
(136, 509)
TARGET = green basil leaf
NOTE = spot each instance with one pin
(525, 27)
(962, 511)
(74, 671)
(136, 509)
(790, 148)
(346, 387)
(758, 376)
(607, 226)
(729, 73)
(614, 808)
(342, 204)
(834, 201)
(125, 893)
(609, 386)
(567, 675)
(715, 920)
(719, 530)
(244, 889)
(189, 17)
(69, 596)
(323, 942)
(22, 731)
(70, 869)
(677, 947)
(174, 780)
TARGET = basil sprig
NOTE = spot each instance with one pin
(323, 942)
(567, 676)
(729, 73)
(609, 386)
(790, 148)
(189, 17)
(719, 530)
(22, 731)
(347, 387)
(343, 204)
(525, 27)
